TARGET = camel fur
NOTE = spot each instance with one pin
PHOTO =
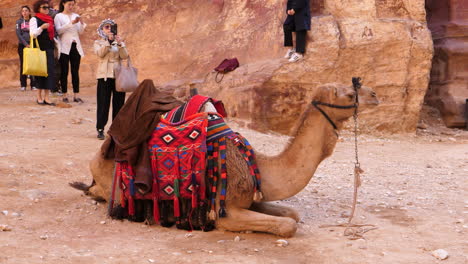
(283, 176)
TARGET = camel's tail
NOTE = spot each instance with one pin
(85, 188)
(81, 186)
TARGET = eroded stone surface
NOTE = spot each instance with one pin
(449, 77)
(385, 42)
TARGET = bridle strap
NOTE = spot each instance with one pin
(317, 103)
(356, 85)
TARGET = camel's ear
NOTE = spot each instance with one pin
(348, 92)
(335, 90)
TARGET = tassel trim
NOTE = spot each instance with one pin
(212, 215)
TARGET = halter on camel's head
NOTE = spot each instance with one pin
(356, 86)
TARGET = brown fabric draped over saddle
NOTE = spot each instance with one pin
(132, 128)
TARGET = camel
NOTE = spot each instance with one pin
(283, 176)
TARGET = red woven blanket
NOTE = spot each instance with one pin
(178, 162)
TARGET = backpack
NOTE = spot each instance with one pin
(226, 66)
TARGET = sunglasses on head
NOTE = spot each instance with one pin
(45, 7)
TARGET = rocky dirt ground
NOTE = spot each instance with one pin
(414, 191)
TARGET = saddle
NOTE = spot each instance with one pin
(188, 162)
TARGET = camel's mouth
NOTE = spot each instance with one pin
(371, 103)
(369, 100)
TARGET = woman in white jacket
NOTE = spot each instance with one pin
(69, 26)
(110, 50)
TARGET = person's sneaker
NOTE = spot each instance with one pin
(33, 88)
(23, 89)
(295, 57)
(100, 134)
(65, 100)
(77, 100)
(289, 53)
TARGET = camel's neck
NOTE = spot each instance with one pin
(288, 173)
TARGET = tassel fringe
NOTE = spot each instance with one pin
(222, 212)
(212, 215)
(258, 196)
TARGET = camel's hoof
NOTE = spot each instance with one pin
(288, 228)
(294, 215)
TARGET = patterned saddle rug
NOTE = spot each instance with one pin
(188, 160)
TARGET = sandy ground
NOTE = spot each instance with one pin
(414, 190)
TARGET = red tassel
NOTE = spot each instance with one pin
(122, 192)
(155, 192)
(194, 197)
(131, 205)
(176, 207)
(155, 188)
(156, 210)
(122, 199)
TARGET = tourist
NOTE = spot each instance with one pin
(111, 50)
(22, 32)
(69, 25)
(53, 11)
(42, 27)
(298, 21)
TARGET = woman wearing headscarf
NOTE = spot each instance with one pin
(22, 32)
(69, 26)
(41, 26)
(111, 50)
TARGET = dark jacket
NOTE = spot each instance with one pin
(22, 31)
(43, 38)
(301, 18)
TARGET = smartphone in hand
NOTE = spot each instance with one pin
(114, 29)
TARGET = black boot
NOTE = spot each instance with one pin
(100, 134)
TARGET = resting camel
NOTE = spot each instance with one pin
(283, 175)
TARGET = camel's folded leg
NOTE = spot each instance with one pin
(275, 209)
(246, 220)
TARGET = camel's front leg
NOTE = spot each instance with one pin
(275, 209)
(245, 220)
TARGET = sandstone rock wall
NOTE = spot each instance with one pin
(385, 42)
(448, 21)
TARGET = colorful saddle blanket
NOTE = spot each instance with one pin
(188, 160)
(193, 106)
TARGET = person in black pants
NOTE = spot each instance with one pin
(22, 32)
(41, 26)
(53, 11)
(298, 21)
(106, 90)
(69, 26)
(110, 50)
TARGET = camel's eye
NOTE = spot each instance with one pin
(351, 96)
(373, 94)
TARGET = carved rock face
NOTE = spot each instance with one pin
(385, 42)
(449, 77)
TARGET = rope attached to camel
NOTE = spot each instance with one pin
(352, 231)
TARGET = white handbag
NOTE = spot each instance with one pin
(126, 77)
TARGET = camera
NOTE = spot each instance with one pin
(113, 29)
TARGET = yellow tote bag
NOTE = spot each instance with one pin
(34, 60)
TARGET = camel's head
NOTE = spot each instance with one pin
(346, 95)
(340, 95)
